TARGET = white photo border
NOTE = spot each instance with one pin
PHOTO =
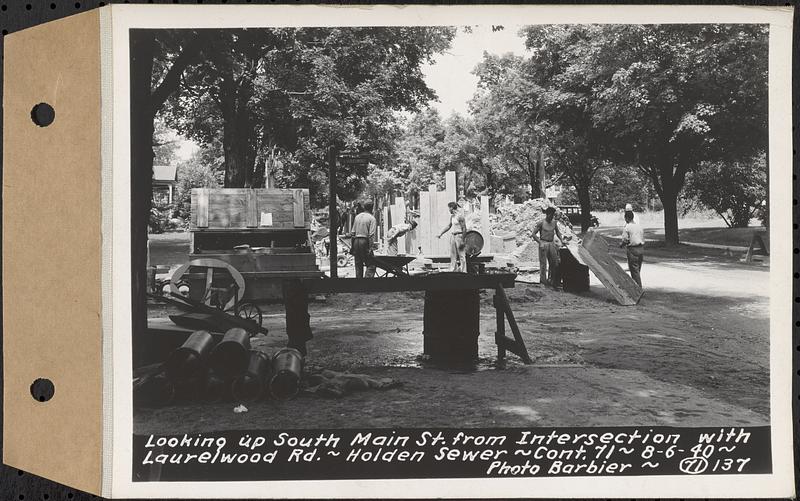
(117, 241)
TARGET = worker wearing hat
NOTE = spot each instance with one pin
(544, 233)
(633, 241)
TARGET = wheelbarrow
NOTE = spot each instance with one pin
(396, 266)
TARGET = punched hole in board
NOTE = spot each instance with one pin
(43, 114)
(42, 390)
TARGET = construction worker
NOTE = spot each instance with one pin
(544, 233)
(633, 241)
(364, 237)
(457, 228)
(396, 232)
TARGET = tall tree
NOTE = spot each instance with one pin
(157, 64)
(419, 152)
(300, 92)
(665, 98)
(508, 130)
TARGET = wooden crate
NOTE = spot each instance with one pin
(242, 208)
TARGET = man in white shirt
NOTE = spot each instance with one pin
(364, 237)
(633, 241)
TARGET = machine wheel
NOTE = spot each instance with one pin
(342, 261)
(250, 311)
(209, 265)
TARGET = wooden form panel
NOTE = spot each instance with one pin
(231, 208)
(434, 216)
(52, 252)
(594, 253)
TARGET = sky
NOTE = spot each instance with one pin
(451, 74)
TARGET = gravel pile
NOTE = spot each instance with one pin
(521, 219)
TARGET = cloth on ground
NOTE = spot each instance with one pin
(330, 383)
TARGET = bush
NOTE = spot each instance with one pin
(162, 217)
(735, 190)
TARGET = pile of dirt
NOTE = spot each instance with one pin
(521, 219)
(473, 220)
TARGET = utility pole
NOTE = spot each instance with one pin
(333, 213)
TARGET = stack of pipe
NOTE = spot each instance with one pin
(229, 370)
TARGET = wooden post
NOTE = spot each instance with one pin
(500, 333)
(333, 213)
(486, 230)
(425, 229)
(398, 217)
(202, 208)
(298, 327)
(541, 173)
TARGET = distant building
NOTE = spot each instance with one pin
(553, 192)
(165, 178)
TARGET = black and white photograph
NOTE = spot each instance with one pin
(492, 249)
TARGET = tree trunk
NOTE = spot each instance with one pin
(237, 135)
(533, 176)
(585, 200)
(669, 200)
(540, 173)
(143, 49)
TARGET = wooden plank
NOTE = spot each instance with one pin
(443, 217)
(594, 252)
(424, 230)
(202, 207)
(400, 217)
(442, 281)
(486, 230)
(252, 209)
(298, 204)
(500, 333)
(227, 209)
(450, 187)
(266, 262)
(520, 349)
(385, 220)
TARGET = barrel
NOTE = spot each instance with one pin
(231, 356)
(473, 243)
(187, 361)
(451, 325)
(251, 385)
(287, 368)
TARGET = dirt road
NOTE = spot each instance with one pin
(694, 352)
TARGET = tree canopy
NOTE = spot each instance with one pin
(285, 96)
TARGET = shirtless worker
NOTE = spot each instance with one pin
(457, 228)
(544, 233)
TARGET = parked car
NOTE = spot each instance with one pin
(574, 214)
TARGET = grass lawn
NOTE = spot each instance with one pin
(739, 237)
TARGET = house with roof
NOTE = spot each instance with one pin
(165, 179)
